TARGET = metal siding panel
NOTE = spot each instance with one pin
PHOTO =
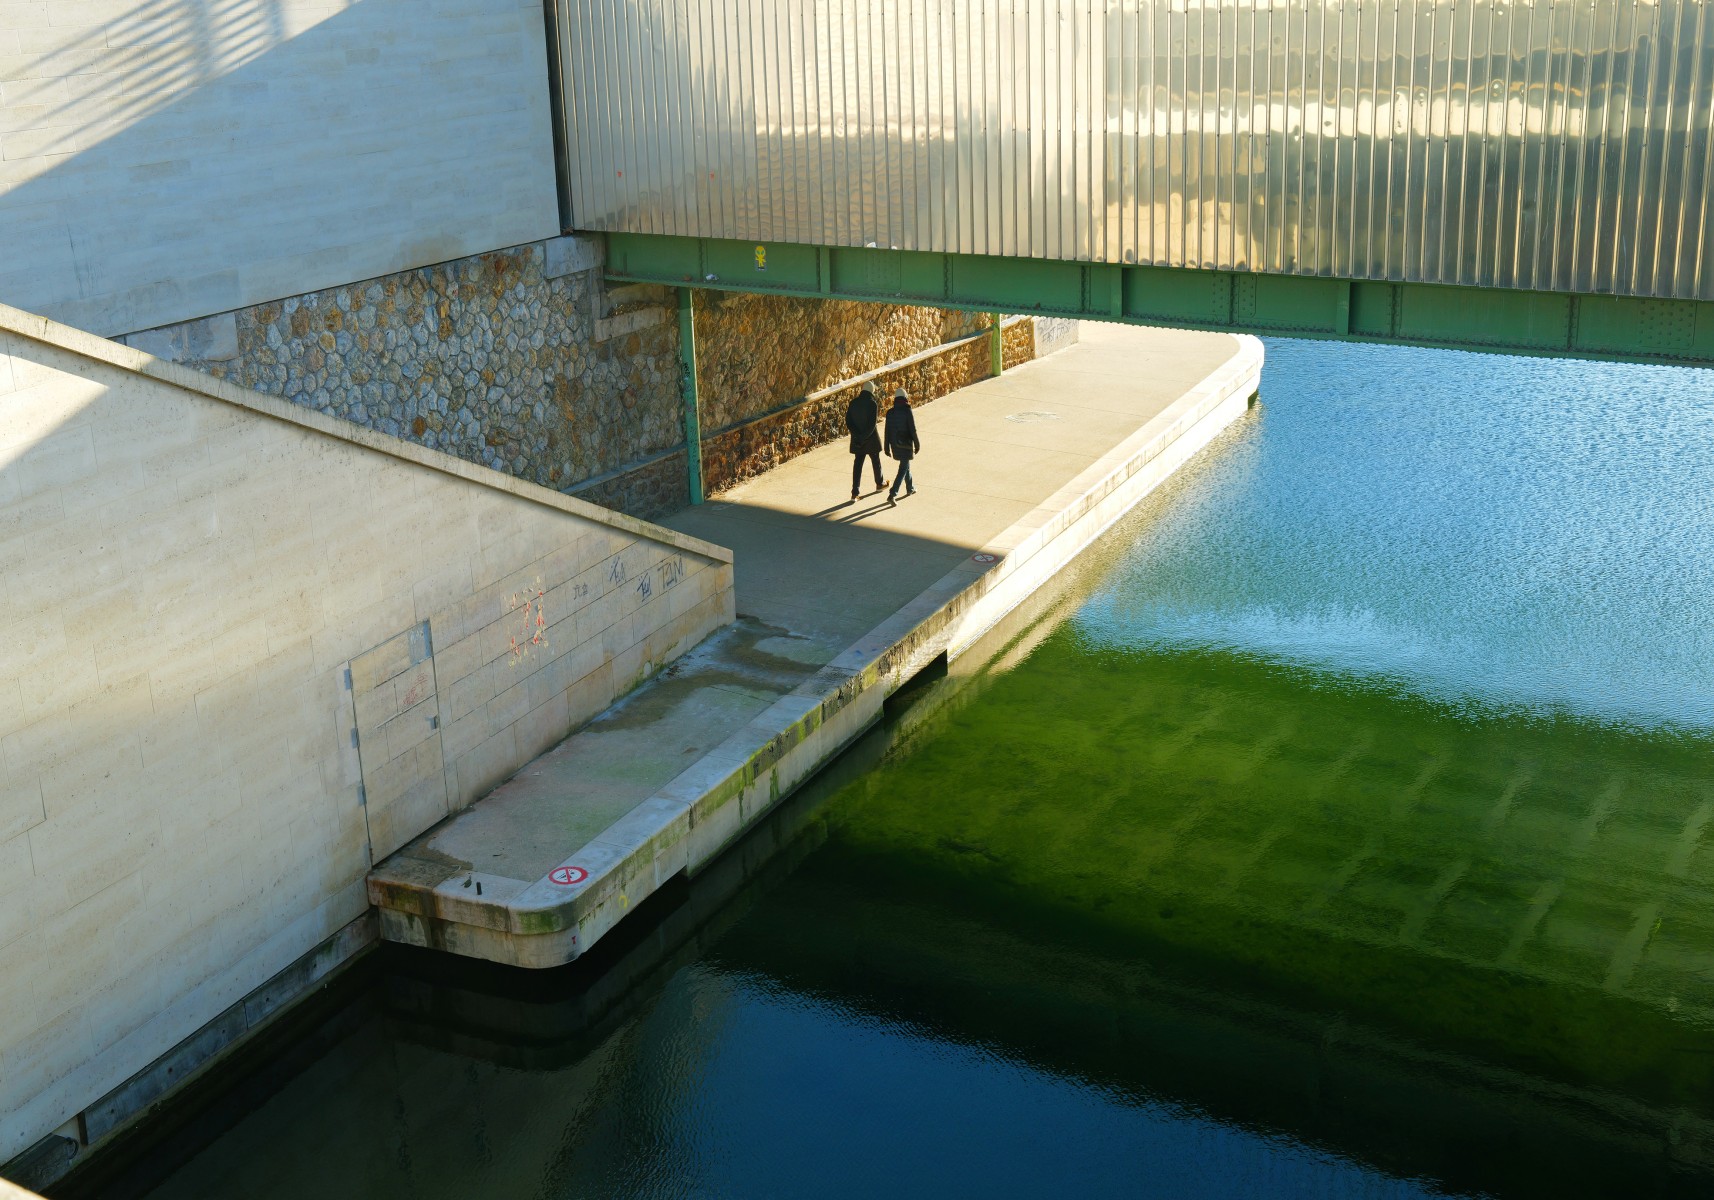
(1668, 133)
(1277, 168)
(1188, 98)
(1698, 174)
(1341, 223)
(1321, 97)
(662, 165)
(1671, 276)
(967, 117)
(1372, 84)
(773, 88)
(842, 48)
(572, 78)
(615, 140)
(629, 125)
(1632, 226)
(1552, 112)
(1119, 73)
(1231, 218)
(1595, 63)
(1157, 54)
(1537, 144)
(682, 116)
(860, 122)
(1609, 173)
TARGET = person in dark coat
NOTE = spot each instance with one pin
(902, 443)
(861, 417)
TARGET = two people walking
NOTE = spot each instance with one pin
(900, 437)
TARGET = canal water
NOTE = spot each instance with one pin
(1343, 826)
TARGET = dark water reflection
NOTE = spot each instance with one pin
(1341, 829)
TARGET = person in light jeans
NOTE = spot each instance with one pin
(902, 444)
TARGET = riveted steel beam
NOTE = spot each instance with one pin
(1497, 320)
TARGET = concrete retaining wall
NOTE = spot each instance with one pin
(162, 160)
(245, 650)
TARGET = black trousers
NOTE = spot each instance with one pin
(873, 456)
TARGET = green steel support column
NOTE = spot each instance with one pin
(997, 347)
(692, 405)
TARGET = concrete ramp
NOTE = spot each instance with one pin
(840, 603)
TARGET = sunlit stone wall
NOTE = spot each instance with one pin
(524, 360)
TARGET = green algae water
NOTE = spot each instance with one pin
(1340, 828)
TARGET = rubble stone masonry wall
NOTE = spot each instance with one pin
(523, 361)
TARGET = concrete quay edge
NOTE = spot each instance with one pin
(707, 807)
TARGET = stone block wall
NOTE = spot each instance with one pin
(244, 650)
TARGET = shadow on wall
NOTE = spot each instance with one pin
(132, 65)
(79, 90)
(189, 157)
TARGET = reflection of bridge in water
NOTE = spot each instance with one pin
(1306, 166)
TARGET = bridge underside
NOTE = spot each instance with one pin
(1625, 328)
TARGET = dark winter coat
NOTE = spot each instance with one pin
(861, 417)
(902, 441)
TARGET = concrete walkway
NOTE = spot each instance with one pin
(839, 603)
(809, 560)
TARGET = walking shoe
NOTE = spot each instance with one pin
(854, 493)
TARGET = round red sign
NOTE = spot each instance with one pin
(567, 876)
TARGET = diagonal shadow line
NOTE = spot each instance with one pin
(878, 506)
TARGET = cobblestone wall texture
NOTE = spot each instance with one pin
(735, 455)
(485, 358)
(553, 380)
(758, 352)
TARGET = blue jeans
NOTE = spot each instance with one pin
(903, 478)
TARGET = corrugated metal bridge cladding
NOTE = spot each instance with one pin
(1554, 145)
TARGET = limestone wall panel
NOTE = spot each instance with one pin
(188, 571)
(163, 161)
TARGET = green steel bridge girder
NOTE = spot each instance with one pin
(1497, 320)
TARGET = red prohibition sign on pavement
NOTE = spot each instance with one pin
(567, 876)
